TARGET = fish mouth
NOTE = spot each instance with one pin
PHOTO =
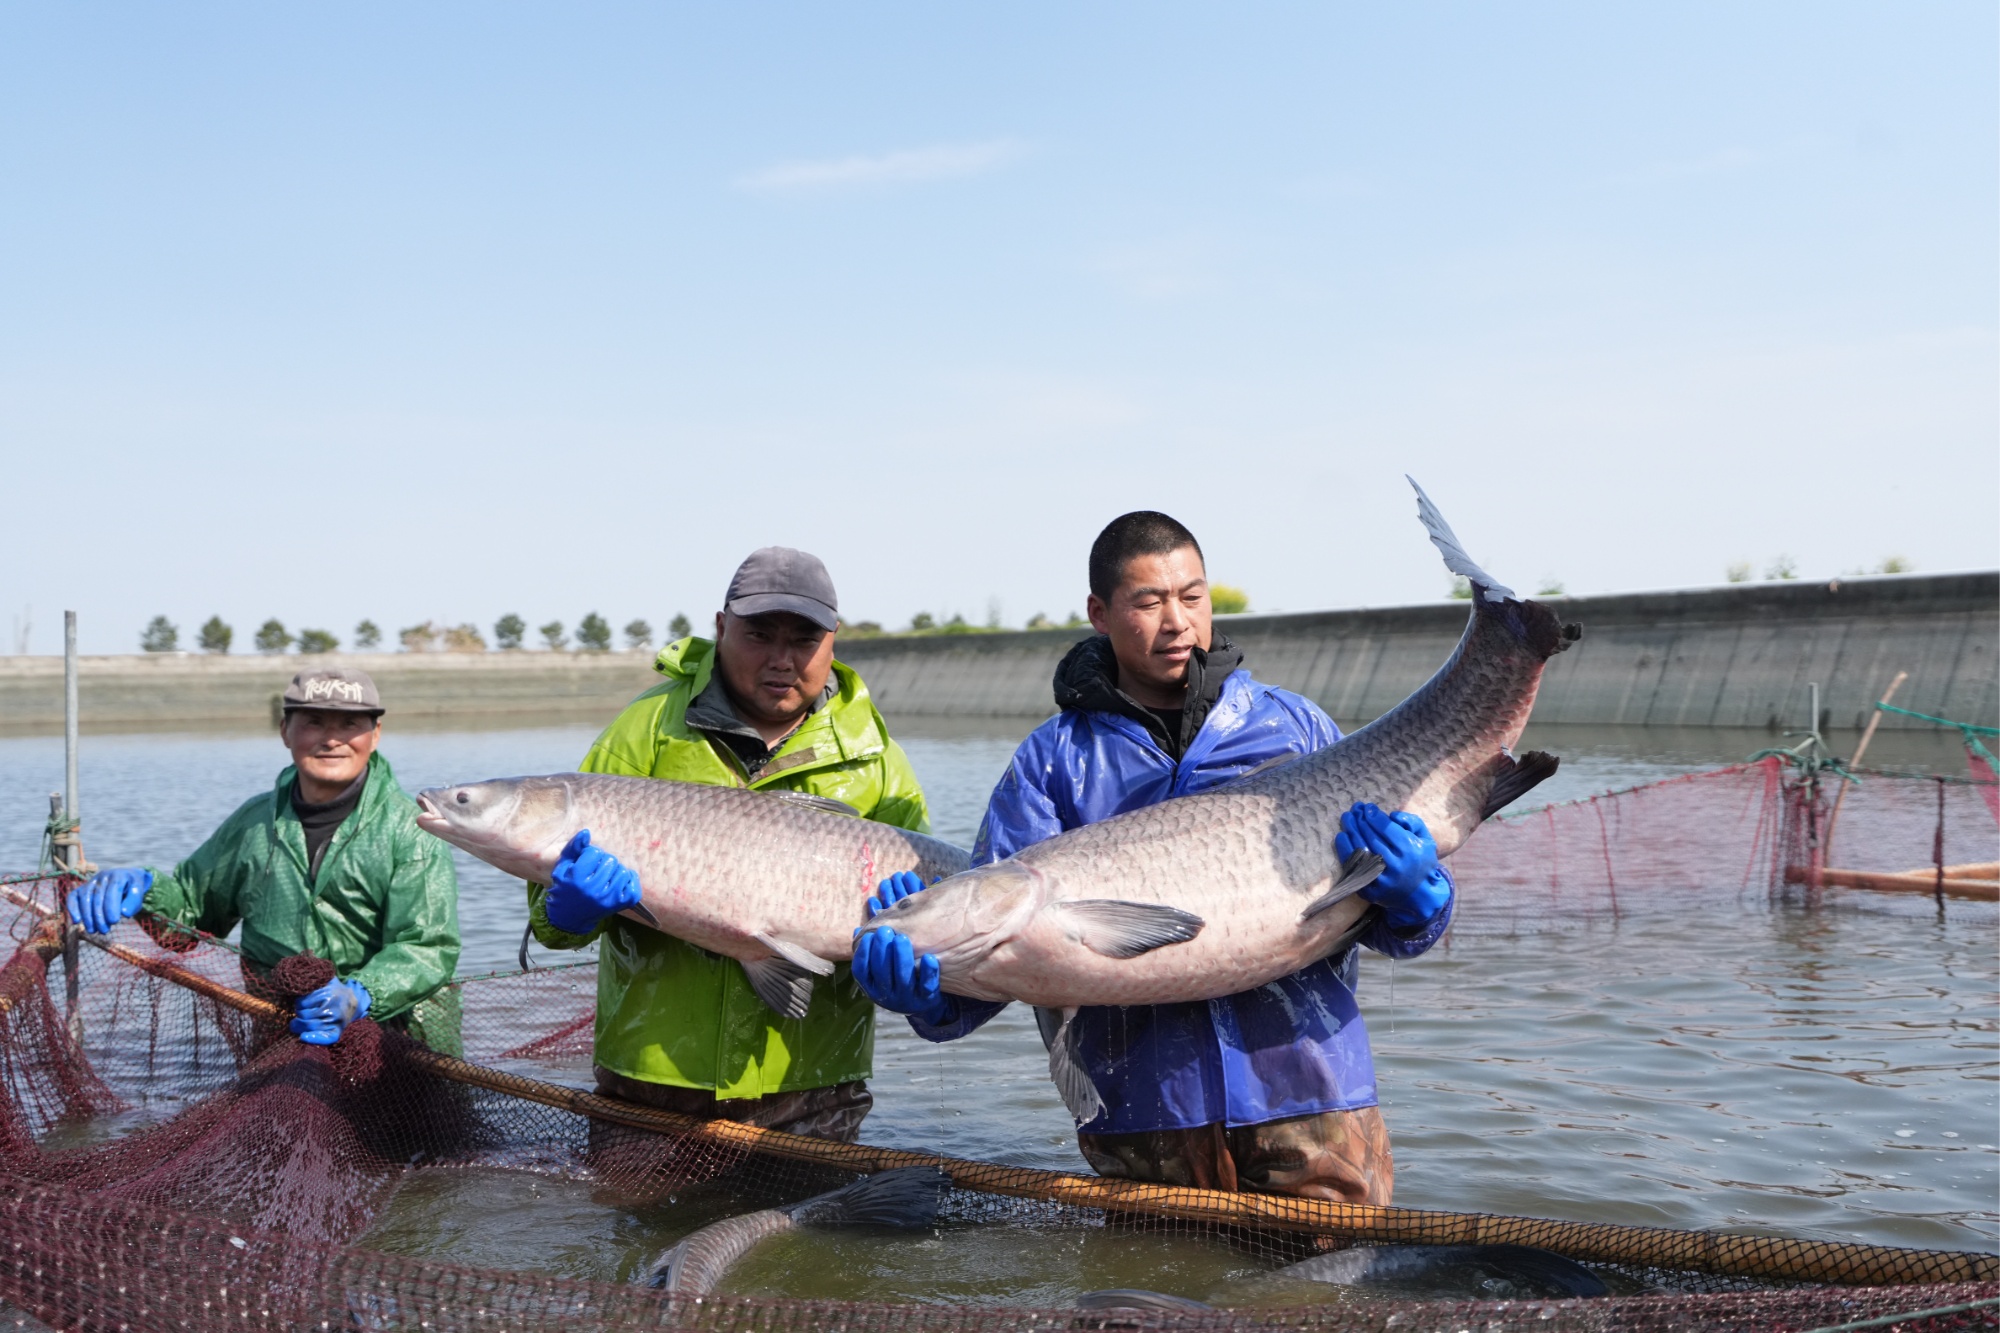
(429, 817)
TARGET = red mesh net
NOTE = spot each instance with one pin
(190, 1166)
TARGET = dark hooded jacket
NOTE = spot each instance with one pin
(1294, 1047)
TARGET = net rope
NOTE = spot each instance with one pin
(190, 1166)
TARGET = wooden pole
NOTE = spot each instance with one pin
(1867, 735)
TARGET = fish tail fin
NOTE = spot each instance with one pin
(1484, 585)
(1518, 778)
(1531, 622)
(905, 1197)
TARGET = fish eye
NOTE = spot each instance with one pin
(465, 798)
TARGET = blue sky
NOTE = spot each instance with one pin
(453, 310)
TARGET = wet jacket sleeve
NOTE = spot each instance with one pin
(419, 949)
(1383, 939)
(204, 890)
(902, 801)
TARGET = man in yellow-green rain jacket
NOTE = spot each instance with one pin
(763, 705)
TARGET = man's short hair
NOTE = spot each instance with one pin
(1141, 532)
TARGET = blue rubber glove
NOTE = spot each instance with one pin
(1412, 887)
(325, 1013)
(587, 885)
(888, 968)
(108, 897)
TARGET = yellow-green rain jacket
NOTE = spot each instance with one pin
(671, 1012)
(383, 908)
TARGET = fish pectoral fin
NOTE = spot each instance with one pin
(1066, 1071)
(666, 1271)
(782, 984)
(1117, 928)
(794, 954)
(807, 801)
(1357, 872)
(1517, 779)
(640, 912)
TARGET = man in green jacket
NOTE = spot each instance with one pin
(763, 705)
(330, 862)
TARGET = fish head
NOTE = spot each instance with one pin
(965, 917)
(516, 824)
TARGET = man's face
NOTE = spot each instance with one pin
(774, 665)
(1156, 618)
(330, 748)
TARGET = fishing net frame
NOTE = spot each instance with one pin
(198, 1220)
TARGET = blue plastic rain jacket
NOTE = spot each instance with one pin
(1296, 1046)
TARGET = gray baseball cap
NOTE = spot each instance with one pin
(777, 578)
(333, 690)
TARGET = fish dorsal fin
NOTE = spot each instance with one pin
(1275, 761)
(1120, 929)
(805, 800)
(1455, 558)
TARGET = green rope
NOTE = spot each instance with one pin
(60, 831)
(1969, 728)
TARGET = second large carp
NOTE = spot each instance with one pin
(1191, 899)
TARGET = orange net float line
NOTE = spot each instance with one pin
(1758, 1257)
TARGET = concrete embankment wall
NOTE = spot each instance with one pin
(1738, 656)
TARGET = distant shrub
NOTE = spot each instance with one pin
(956, 625)
(922, 621)
(160, 636)
(638, 634)
(317, 641)
(1784, 567)
(420, 638)
(367, 636)
(593, 633)
(861, 629)
(552, 636)
(679, 627)
(464, 638)
(1074, 621)
(1461, 587)
(508, 631)
(1739, 572)
(1550, 588)
(1896, 564)
(272, 636)
(215, 636)
(1040, 620)
(1228, 600)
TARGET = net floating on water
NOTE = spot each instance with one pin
(260, 1162)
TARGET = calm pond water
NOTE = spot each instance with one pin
(1709, 1062)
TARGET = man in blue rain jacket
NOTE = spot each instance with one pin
(1272, 1089)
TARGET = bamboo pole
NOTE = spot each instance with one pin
(1867, 735)
(1689, 1251)
(1976, 889)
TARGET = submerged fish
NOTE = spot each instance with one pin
(1242, 881)
(905, 1197)
(1137, 1298)
(776, 880)
(1474, 1272)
